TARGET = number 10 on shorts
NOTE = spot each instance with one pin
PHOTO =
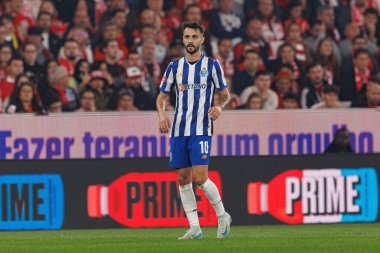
(204, 147)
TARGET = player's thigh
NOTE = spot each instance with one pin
(179, 155)
(199, 150)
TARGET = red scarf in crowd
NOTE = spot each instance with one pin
(361, 79)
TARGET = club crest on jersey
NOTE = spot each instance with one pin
(179, 75)
(204, 72)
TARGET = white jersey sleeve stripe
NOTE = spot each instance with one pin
(167, 79)
(218, 76)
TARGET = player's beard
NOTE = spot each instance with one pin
(193, 50)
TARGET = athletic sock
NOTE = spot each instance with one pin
(212, 193)
(189, 204)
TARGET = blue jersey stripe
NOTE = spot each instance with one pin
(197, 94)
(185, 75)
(208, 92)
(175, 67)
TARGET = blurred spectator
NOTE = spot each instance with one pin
(126, 102)
(290, 101)
(287, 55)
(50, 41)
(15, 67)
(244, 78)
(43, 86)
(272, 28)
(253, 41)
(370, 27)
(358, 10)
(103, 67)
(150, 65)
(341, 142)
(294, 38)
(98, 84)
(283, 84)
(110, 31)
(360, 42)
(350, 32)
(175, 52)
(262, 86)
(149, 17)
(369, 97)
(20, 21)
(168, 19)
(315, 34)
(31, 8)
(133, 60)
(60, 84)
(24, 99)
(35, 36)
(112, 58)
(53, 104)
(133, 83)
(330, 98)
(225, 57)
(295, 9)
(82, 74)
(225, 23)
(130, 13)
(11, 36)
(82, 18)
(2, 33)
(254, 102)
(69, 55)
(57, 27)
(326, 16)
(81, 36)
(21, 78)
(148, 32)
(329, 60)
(312, 93)
(87, 101)
(205, 5)
(119, 18)
(5, 57)
(355, 75)
(31, 67)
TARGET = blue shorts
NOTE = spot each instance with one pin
(187, 151)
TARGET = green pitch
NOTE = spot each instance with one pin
(361, 238)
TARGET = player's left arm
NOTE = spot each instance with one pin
(221, 88)
(224, 98)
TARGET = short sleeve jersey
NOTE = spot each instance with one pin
(195, 86)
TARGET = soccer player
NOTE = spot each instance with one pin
(195, 77)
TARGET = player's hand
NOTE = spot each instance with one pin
(214, 112)
(164, 122)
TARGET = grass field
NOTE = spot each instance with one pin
(361, 238)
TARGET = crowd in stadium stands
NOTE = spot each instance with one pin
(109, 55)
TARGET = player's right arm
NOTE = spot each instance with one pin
(165, 86)
(164, 121)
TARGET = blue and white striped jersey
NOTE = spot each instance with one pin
(195, 85)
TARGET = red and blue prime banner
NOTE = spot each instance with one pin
(136, 192)
(136, 135)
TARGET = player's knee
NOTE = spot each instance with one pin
(200, 179)
(183, 179)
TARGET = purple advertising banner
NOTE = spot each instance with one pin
(244, 133)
